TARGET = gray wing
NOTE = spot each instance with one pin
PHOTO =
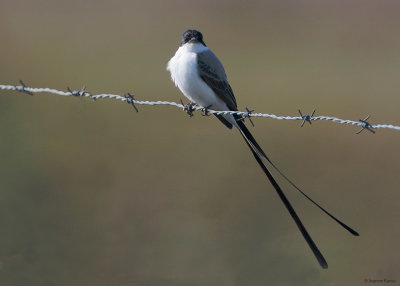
(213, 73)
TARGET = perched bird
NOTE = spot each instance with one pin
(200, 76)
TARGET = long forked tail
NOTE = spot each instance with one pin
(257, 149)
(288, 206)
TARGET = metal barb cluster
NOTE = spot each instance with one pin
(22, 88)
(131, 100)
(248, 115)
(245, 115)
(191, 107)
(306, 118)
(365, 125)
(82, 92)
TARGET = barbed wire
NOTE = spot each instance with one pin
(189, 108)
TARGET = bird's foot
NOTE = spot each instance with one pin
(205, 110)
(188, 108)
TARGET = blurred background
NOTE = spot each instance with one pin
(92, 193)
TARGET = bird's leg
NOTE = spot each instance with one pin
(188, 108)
(205, 110)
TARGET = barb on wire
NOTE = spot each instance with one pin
(245, 115)
(131, 100)
(77, 92)
(22, 88)
(306, 117)
(248, 115)
(365, 126)
(191, 107)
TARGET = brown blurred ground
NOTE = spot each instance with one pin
(94, 194)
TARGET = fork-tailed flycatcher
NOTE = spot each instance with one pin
(198, 73)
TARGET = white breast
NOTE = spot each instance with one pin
(184, 73)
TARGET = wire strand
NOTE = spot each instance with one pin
(30, 90)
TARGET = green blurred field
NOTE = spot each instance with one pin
(92, 193)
